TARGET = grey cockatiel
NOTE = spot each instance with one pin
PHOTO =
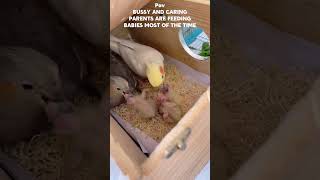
(145, 61)
(119, 68)
(27, 67)
(34, 24)
(27, 80)
(118, 87)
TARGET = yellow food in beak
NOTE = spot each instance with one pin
(154, 75)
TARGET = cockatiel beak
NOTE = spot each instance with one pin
(126, 92)
(155, 74)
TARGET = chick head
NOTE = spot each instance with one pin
(155, 74)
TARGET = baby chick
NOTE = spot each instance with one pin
(146, 107)
(118, 87)
(170, 111)
(168, 106)
(143, 60)
(167, 94)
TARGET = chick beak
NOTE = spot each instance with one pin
(164, 88)
(125, 93)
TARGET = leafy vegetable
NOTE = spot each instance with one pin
(205, 50)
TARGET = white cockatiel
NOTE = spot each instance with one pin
(145, 61)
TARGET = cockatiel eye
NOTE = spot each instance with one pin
(118, 89)
(162, 72)
(27, 86)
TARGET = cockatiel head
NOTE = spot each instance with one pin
(155, 74)
(118, 87)
(32, 70)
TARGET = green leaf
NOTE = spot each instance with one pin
(205, 50)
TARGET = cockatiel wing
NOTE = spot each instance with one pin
(129, 53)
(120, 68)
(116, 43)
(127, 44)
(131, 45)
